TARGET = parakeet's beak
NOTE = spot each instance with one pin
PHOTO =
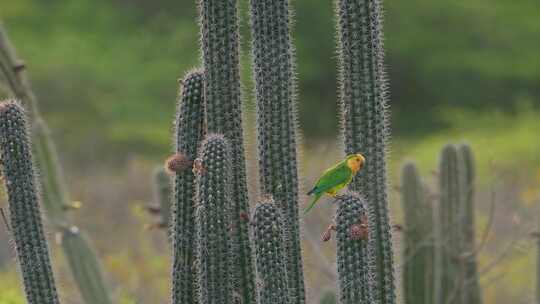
(361, 157)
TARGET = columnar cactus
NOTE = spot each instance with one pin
(354, 256)
(471, 293)
(189, 132)
(25, 215)
(418, 250)
(364, 123)
(220, 43)
(270, 254)
(276, 122)
(213, 224)
(447, 288)
(84, 266)
(55, 197)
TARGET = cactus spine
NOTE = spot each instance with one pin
(55, 198)
(213, 222)
(270, 254)
(220, 43)
(354, 257)
(189, 132)
(272, 53)
(472, 292)
(419, 240)
(30, 241)
(364, 123)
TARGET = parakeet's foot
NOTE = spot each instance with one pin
(327, 234)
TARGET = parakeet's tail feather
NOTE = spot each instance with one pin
(312, 203)
(312, 191)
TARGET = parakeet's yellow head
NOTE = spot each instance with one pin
(355, 162)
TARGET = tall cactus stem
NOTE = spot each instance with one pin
(471, 290)
(213, 224)
(270, 253)
(22, 188)
(419, 241)
(55, 196)
(447, 288)
(364, 123)
(273, 65)
(220, 45)
(354, 255)
(189, 132)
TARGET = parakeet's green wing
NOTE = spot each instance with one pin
(335, 176)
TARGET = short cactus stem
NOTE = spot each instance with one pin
(270, 254)
(22, 188)
(162, 196)
(213, 224)
(189, 133)
(354, 255)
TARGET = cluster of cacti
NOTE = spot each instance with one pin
(211, 229)
(364, 124)
(439, 259)
(56, 202)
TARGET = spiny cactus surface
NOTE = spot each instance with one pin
(189, 132)
(364, 123)
(220, 42)
(18, 171)
(419, 239)
(272, 53)
(213, 222)
(354, 256)
(270, 254)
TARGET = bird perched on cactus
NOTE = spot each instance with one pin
(337, 177)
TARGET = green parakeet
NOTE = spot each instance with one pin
(337, 177)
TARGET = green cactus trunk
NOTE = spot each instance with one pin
(448, 247)
(55, 197)
(472, 292)
(419, 240)
(354, 255)
(273, 66)
(364, 123)
(220, 43)
(189, 133)
(84, 265)
(213, 223)
(270, 254)
(18, 171)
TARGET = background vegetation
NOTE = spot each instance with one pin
(105, 73)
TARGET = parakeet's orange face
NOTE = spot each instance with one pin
(355, 162)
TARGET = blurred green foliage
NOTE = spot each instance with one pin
(105, 70)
